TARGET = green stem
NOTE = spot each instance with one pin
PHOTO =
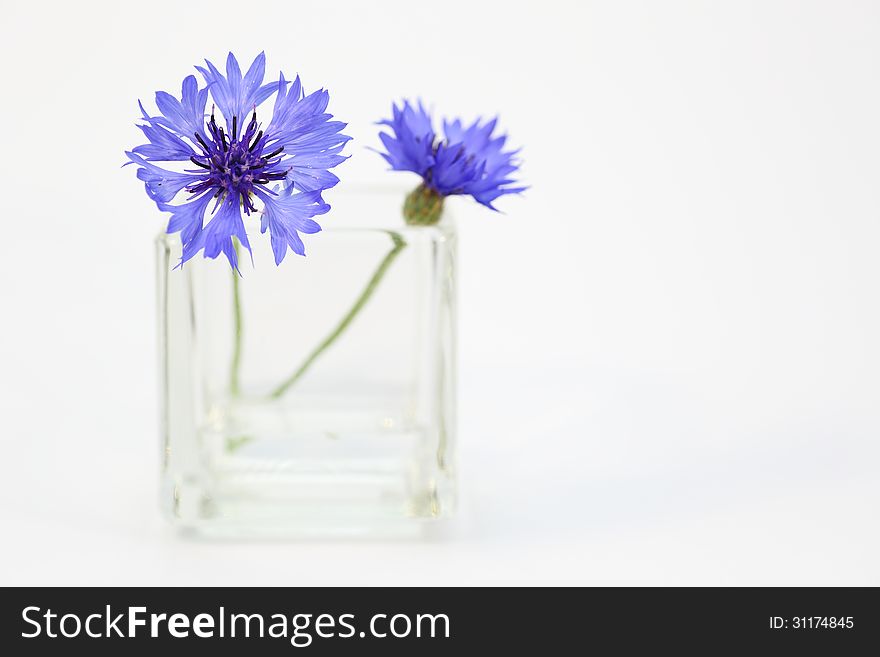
(235, 367)
(370, 288)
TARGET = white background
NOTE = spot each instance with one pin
(669, 346)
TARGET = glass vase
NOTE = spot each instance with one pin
(312, 398)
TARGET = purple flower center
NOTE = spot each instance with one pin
(236, 163)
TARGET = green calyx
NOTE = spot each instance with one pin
(423, 207)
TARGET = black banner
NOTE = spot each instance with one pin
(421, 621)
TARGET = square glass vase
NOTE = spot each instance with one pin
(313, 398)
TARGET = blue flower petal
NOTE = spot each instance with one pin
(161, 184)
(187, 219)
(217, 235)
(234, 95)
(164, 145)
(287, 215)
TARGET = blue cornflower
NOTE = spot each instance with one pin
(464, 160)
(283, 167)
